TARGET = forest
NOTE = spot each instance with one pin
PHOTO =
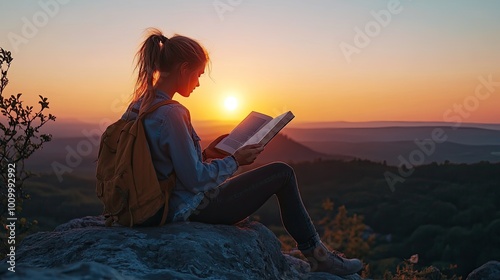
(446, 213)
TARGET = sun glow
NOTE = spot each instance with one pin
(230, 103)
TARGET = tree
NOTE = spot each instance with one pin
(345, 233)
(20, 137)
(340, 232)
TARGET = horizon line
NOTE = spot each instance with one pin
(73, 119)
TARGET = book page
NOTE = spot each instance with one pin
(244, 131)
(267, 132)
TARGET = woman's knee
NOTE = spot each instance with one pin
(279, 166)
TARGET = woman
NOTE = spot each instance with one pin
(205, 191)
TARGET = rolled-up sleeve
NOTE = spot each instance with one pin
(194, 174)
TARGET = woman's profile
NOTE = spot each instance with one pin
(206, 190)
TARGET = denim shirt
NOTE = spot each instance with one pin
(174, 145)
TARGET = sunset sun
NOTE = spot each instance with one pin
(230, 103)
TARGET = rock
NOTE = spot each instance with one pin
(488, 271)
(85, 249)
(76, 271)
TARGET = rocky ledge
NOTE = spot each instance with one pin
(85, 249)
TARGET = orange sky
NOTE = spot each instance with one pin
(424, 63)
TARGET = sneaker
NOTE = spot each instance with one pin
(323, 260)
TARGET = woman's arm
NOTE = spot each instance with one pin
(189, 167)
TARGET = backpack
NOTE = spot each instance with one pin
(127, 183)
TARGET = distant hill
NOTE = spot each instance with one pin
(283, 148)
(69, 128)
(286, 149)
(463, 135)
(77, 155)
(390, 151)
(462, 145)
(69, 155)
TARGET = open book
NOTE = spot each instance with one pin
(256, 128)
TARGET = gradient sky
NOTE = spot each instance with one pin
(272, 56)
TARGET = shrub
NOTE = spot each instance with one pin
(20, 138)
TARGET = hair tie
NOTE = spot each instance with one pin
(163, 39)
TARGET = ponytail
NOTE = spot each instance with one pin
(158, 56)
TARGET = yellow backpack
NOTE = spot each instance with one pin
(127, 184)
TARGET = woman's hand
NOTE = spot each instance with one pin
(247, 154)
(212, 152)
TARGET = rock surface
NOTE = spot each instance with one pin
(488, 271)
(86, 249)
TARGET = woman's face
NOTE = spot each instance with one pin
(189, 79)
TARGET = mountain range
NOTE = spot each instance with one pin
(74, 146)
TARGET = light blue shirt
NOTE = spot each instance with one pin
(174, 145)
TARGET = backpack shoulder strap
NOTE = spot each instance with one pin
(155, 106)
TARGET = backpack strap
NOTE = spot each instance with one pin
(154, 107)
(167, 185)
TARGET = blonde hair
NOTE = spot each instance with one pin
(159, 56)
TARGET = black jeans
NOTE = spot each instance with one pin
(242, 195)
